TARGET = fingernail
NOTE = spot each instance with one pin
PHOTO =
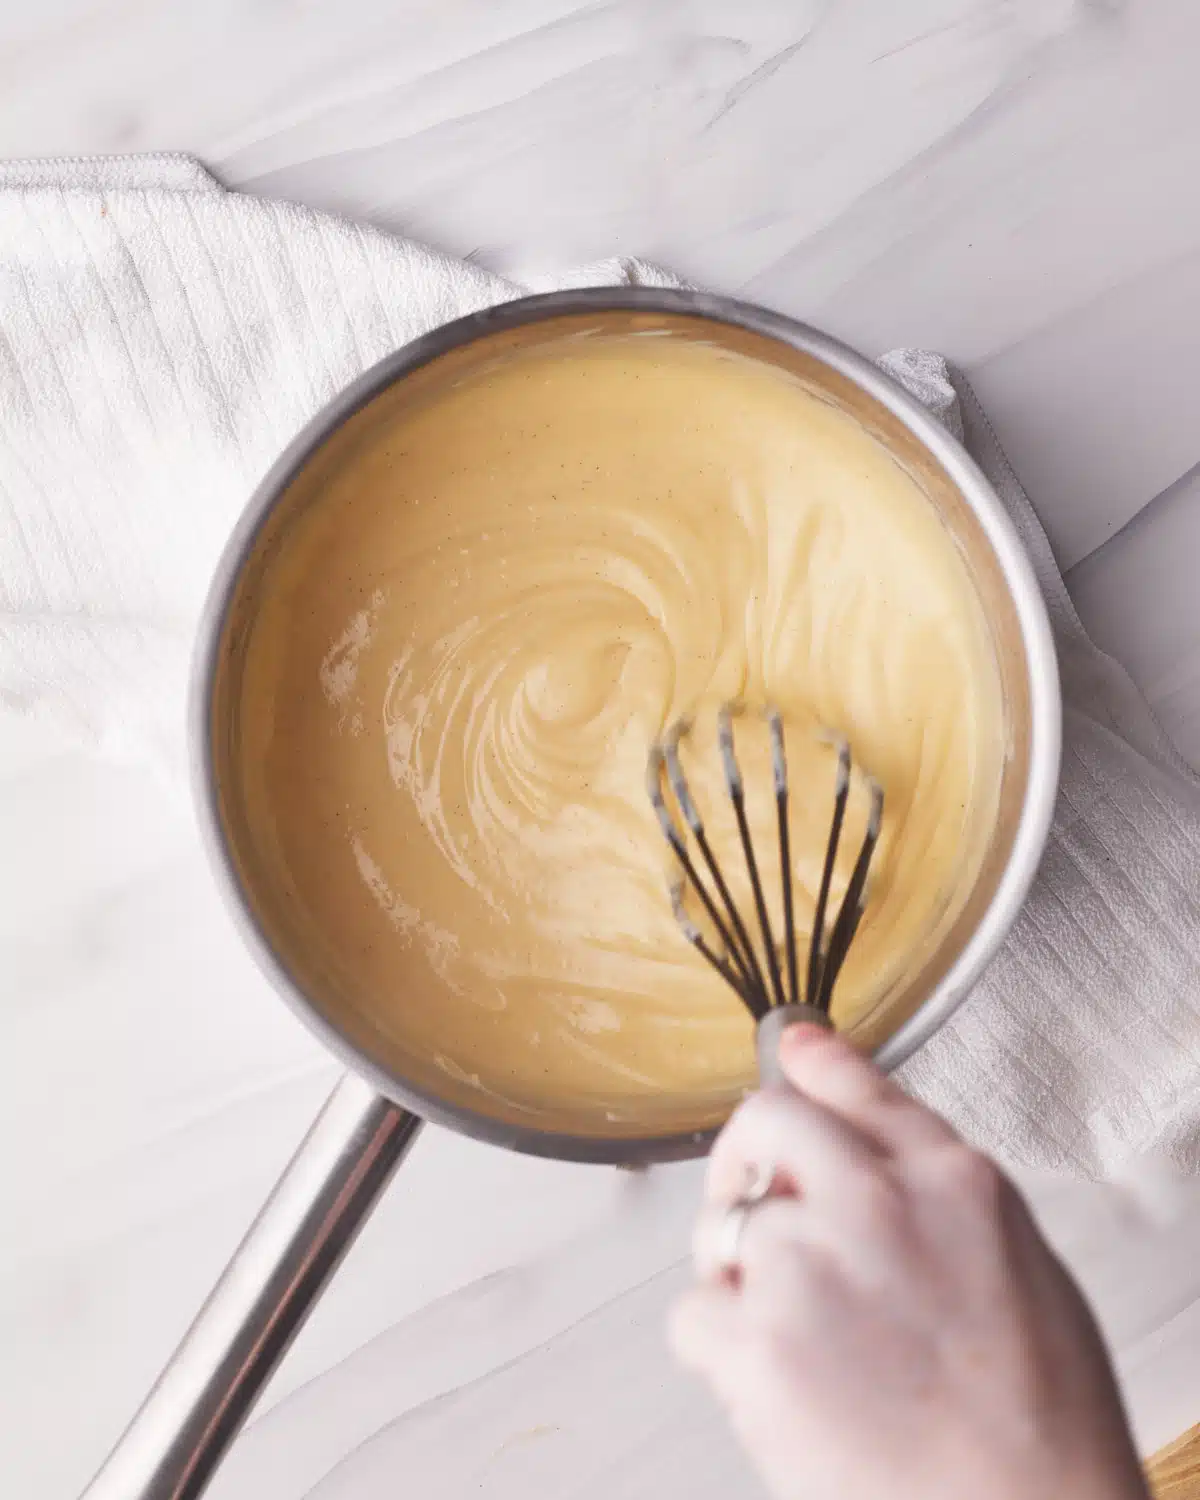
(804, 1034)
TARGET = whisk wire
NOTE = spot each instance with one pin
(741, 951)
(738, 964)
(853, 901)
(737, 795)
(779, 767)
(732, 977)
(841, 795)
(675, 838)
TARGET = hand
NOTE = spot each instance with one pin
(896, 1328)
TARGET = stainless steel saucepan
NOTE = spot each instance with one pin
(173, 1445)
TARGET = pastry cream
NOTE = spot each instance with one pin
(466, 644)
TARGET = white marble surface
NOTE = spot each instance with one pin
(1011, 181)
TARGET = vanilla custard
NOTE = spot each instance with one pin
(468, 640)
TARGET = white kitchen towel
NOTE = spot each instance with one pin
(160, 342)
(1079, 1048)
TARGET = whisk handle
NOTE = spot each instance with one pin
(772, 1027)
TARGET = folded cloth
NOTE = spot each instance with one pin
(1077, 1049)
(160, 342)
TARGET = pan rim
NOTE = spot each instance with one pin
(1036, 809)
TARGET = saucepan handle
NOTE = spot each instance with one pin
(172, 1447)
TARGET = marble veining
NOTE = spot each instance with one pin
(1010, 181)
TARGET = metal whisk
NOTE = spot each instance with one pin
(766, 975)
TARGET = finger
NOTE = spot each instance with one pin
(809, 1146)
(705, 1331)
(827, 1068)
(772, 1236)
